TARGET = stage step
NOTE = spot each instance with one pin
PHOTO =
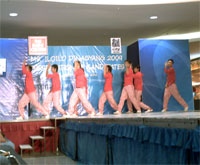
(45, 128)
(25, 147)
(37, 137)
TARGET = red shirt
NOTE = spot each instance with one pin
(55, 82)
(138, 82)
(29, 85)
(171, 77)
(108, 82)
(128, 78)
(80, 78)
(85, 81)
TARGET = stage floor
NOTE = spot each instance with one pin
(174, 119)
(188, 120)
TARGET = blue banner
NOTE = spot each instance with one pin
(12, 86)
(153, 55)
(92, 59)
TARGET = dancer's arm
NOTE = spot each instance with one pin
(166, 70)
(47, 71)
(24, 67)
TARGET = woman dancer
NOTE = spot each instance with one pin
(128, 89)
(29, 93)
(80, 91)
(170, 87)
(108, 92)
(138, 85)
(55, 93)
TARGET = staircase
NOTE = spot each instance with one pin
(41, 138)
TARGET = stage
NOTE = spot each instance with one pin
(117, 139)
(180, 119)
(146, 138)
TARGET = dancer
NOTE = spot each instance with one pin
(80, 91)
(55, 93)
(128, 89)
(170, 87)
(138, 84)
(108, 92)
(75, 114)
(29, 94)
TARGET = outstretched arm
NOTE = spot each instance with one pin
(166, 67)
(24, 67)
(104, 70)
(47, 71)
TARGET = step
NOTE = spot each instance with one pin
(47, 127)
(37, 137)
(25, 147)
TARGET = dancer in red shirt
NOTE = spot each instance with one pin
(55, 93)
(29, 93)
(108, 92)
(138, 84)
(75, 114)
(80, 91)
(128, 89)
(170, 87)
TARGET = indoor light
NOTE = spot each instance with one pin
(153, 17)
(13, 14)
(120, 2)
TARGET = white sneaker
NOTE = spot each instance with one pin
(186, 109)
(164, 110)
(92, 114)
(117, 113)
(139, 112)
(149, 110)
(74, 115)
(99, 114)
(65, 116)
(19, 118)
(47, 117)
(129, 112)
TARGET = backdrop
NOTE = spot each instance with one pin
(153, 54)
(92, 59)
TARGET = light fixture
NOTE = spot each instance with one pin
(13, 14)
(153, 17)
(120, 2)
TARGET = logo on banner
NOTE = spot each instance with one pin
(2, 66)
(37, 45)
(115, 45)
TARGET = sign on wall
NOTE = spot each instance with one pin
(37, 45)
(115, 45)
(2, 66)
(92, 59)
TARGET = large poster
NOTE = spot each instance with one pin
(12, 85)
(153, 55)
(92, 59)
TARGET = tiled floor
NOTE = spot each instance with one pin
(48, 160)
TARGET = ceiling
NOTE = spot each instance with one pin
(76, 24)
